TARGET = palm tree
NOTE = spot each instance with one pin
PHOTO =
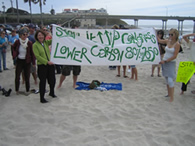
(40, 4)
(52, 11)
(29, 1)
(17, 11)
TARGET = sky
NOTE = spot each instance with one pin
(115, 7)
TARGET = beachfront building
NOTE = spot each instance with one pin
(85, 23)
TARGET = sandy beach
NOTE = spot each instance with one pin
(139, 115)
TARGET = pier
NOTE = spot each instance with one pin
(136, 18)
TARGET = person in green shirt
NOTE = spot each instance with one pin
(46, 68)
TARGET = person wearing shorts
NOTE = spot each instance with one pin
(66, 69)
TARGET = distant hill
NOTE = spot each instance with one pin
(102, 22)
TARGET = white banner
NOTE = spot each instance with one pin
(104, 46)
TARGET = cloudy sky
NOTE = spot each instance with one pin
(115, 7)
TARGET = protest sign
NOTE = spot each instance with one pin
(104, 46)
(186, 70)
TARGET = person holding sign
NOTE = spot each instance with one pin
(66, 69)
(169, 60)
(66, 72)
(46, 68)
(191, 45)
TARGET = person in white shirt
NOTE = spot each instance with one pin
(169, 60)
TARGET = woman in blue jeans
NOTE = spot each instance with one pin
(3, 47)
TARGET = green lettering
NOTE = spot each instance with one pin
(59, 31)
(93, 47)
(84, 50)
(56, 52)
(76, 53)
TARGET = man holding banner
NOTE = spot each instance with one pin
(66, 69)
(66, 72)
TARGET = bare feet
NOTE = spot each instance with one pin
(74, 86)
(171, 99)
(182, 92)
(59, 86)
(133, 78)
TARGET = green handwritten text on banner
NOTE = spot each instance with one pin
(104, 46)
(185, 71)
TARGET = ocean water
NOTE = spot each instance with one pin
(188, 28)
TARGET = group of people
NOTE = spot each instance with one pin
(31, 48)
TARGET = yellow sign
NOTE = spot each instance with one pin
(185, 71)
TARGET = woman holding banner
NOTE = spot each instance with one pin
(46, 68)
(169, 60)
(191, 45)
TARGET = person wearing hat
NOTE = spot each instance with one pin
(23, 53)
(31, 36)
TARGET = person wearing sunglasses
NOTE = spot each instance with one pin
(169, 60)
(3, 47)
(23, 53)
